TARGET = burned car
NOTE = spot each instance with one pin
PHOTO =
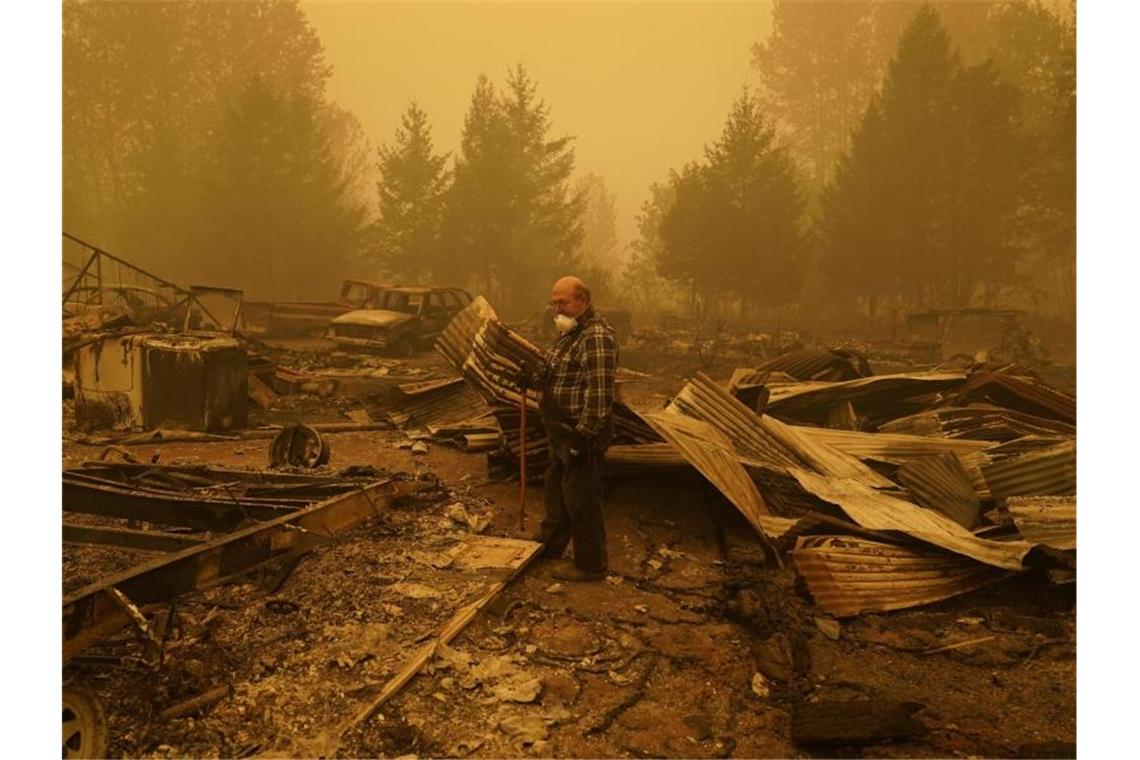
(403, 320)
(298, 318)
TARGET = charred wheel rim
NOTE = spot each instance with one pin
(84, 725)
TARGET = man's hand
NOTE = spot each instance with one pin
(525, 377)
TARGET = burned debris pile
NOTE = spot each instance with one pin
(194, 536)
(940, 504)
(284, 604)
(821, 455)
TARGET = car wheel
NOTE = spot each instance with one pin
(84, 723)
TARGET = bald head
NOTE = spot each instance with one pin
(570, 296)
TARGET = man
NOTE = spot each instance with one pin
(577, 404)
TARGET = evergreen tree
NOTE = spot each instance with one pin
(734, 228)
(476, 221)
(596, 253)
(817, 71)
(824, 60)
(145, 88)
(1036, 52)
(276, 210)
(922, 204)
(643, 288)
(411, 190)
(511, 219)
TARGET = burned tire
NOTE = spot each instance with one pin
(84, 724)
(298, 446)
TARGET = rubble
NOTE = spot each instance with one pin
(928, 523)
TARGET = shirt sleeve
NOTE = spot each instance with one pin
(599, 356)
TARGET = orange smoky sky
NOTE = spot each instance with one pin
(642, 86)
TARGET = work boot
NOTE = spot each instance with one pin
(548, 551)
(568, 571)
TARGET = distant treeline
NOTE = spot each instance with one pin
(895, 155)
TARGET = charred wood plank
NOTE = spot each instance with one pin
(213, 514)
(140, 540)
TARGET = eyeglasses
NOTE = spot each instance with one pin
(557, 302)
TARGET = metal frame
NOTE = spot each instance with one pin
(98, 609)
(194, 298)
(92, 496)
(137, 540)
(100, 279)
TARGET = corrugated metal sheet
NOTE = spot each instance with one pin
(1024, 394)
(890, 447)
(878, 511)
(455, 342)
(437, 404)
(497, 353)
(1048, 520)
(427, 386)
(764, 441)
(794, 399)
(1050, 471)
(818, 364)
(941, 482)
(822, 457)
(1024, 445)
(645, 459)
(895, 448)
(982, 422)
(849, 576)
(702, 399)
(712, 454)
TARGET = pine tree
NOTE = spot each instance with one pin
(510, 215)
(475, 218)
(824, 59)
(411, 190)
(277, 215)
(548, 216)
(922, 204)
(1036, 51)
(145, 88)
(817, 70)
(734, 227)
(594, 257)
(763, 207)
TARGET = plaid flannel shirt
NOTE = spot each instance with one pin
(580, 372)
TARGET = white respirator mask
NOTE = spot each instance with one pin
(564, 323)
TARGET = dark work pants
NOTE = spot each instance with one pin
(574, 497)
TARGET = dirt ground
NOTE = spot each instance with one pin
(689, 648)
